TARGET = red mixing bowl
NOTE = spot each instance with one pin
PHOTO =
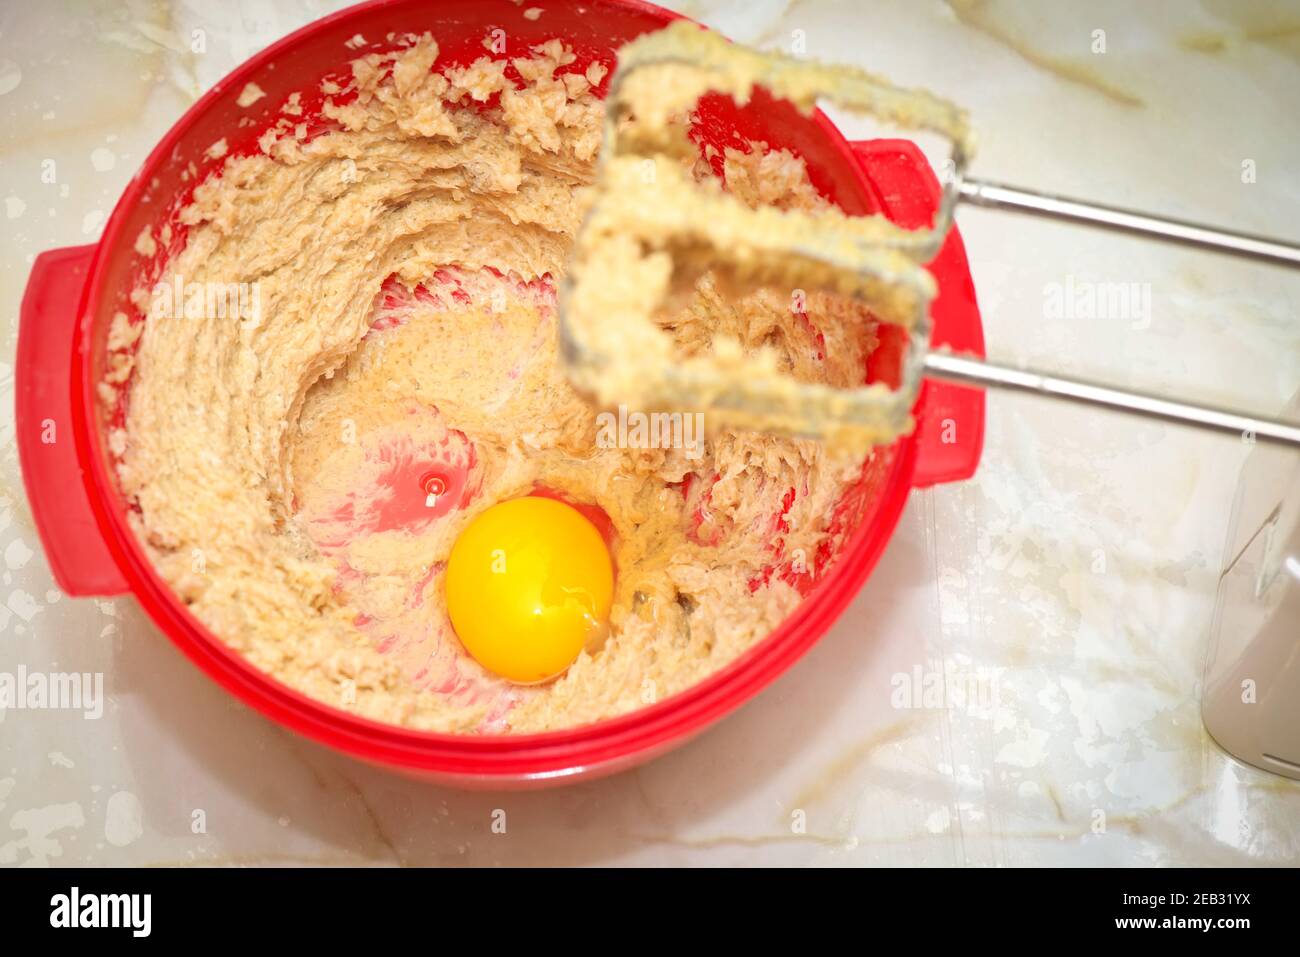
(73, 293)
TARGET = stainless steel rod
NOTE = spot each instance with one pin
(968, 370)
(1000, 196)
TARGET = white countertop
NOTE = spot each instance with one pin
(1072, 579)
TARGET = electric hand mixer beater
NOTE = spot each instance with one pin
(651, 225)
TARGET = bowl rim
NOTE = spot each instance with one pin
(602, 746)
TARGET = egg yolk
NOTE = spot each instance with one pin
(529, 582)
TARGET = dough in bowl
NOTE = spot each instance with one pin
(405, 264)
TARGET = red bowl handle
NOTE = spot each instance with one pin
(950, 430)
(43, 404)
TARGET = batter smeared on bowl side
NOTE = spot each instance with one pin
(300, 475)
